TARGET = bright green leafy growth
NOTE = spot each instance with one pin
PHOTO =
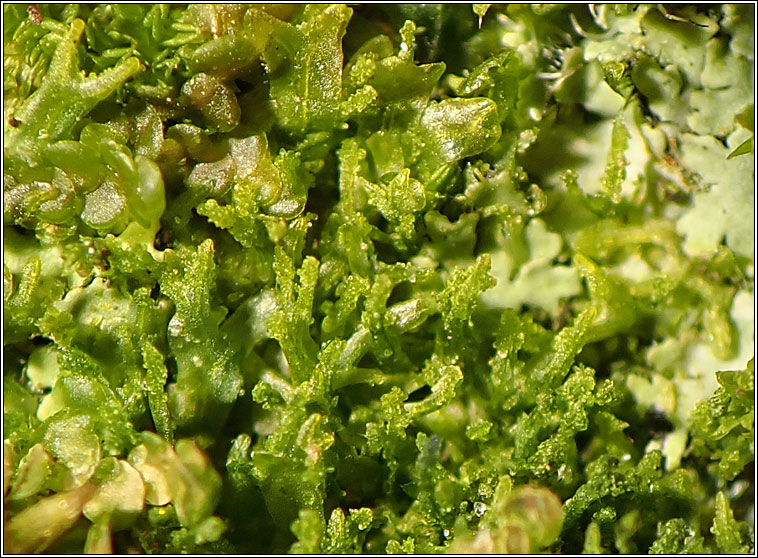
(310, 87)
(676, 537)
(746, 119)
(462, 291)
(343, 535)
(729, 533)
(156, 377)
(615, 167)
(65, 95)
(208, 380)
(368, 278)
(724, 425)
(398, 201)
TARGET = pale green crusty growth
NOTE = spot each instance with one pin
(424, 278)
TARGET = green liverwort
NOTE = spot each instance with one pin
(404, 278)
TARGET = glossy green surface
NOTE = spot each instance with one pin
(379, 278)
